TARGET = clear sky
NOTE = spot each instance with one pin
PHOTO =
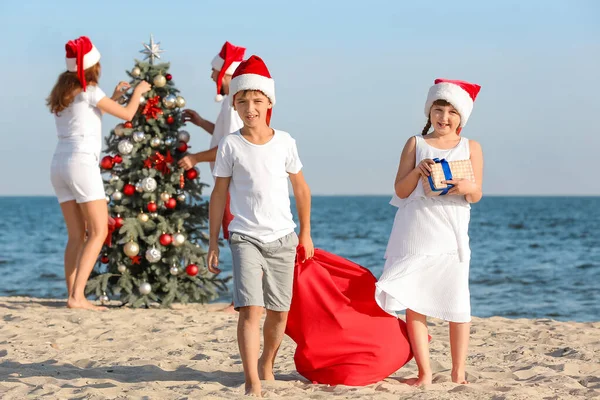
(351, 80)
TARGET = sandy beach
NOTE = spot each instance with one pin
(50, 352)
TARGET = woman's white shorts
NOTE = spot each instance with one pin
(76, 176)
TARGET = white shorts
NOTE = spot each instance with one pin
(76, 176)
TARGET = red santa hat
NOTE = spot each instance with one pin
(252, 74)
(460, 94)
(81, 55)
(226, 62)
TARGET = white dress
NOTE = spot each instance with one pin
(428, 255)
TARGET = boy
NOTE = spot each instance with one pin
(253, 165)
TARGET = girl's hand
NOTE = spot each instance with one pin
(143, 87)
(120, 90)
(309, 248)
(188, 162)
(461, 186)
(213, 259)
(424, 167)
(191, 116)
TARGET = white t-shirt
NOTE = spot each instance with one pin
(260, 199)
(227, 122)
(79, 126)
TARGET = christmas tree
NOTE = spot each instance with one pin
(155, 250)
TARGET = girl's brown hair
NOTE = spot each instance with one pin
(68, 86)
(440, 102)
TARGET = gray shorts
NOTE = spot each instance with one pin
(263, 273)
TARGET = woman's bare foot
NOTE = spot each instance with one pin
(422, 380)
(459, 377)
(229, 309)
(265, 371)
(253, 389)
(83, 304)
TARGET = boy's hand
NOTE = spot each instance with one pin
(192, 116)
(188, 162)
(309, 248)
(213, 259)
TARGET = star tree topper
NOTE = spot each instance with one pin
(152, 50)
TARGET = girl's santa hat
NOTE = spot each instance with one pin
(226, 62)
(252, 74)
(81, 55)
(460, 94)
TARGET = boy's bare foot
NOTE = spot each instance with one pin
(459, 377)
(84, 304)
(265, 371)
(229, 309)
(253, 389)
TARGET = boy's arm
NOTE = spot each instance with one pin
(303, 203)
(190, 160)
(216, 208)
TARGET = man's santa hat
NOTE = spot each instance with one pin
(252, 74)
(81, 55)
(460, 94)
(226, 62)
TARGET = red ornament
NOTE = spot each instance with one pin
(170, 119)
(171, 203)
(191, 173)
(182, 147)
(181, 181)
(168, 77)
(104, 259)
(129, 190)
(107, 162)
(135, 260)
(152, 108)
(118, 222)
(166, 239)
(191, 270)
(128, 125)
(118, 159)
(152, 207)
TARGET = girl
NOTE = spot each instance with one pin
(77, 104)
(427, 257)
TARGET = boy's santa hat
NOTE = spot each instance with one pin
(252, 74)
(81, 55)
(226, 62)
(460, 94)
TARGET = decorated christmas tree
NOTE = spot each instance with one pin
(155, 250)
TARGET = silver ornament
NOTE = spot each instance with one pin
(154, 215)
(164, 196)
(108, 199)
(155, 142)
(153, 255)
(145, 288)
(135, 72)
(138, 136)
(151, 50)
(120, 130)
(142, 217)
(142, 100)
(104, 299)
(180, 102)
(183, 136)
(114, 178)
(181, 197)
(139, 188)
(178, 239)
(169, 101)
(169, 141)
(149, 184)
(116, 196)
(122, 268)
(160, 81)
(125, 147)
(131, 249)
(174, 270)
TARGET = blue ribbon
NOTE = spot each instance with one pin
(447, 176)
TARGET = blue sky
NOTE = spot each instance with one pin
(351, 80)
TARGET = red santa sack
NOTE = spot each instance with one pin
(343, 336)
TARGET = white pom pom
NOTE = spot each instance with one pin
(219, 98)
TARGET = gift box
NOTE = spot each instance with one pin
(444, 170)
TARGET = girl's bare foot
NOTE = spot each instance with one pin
(459, 377)
(265, 371)
(83, 304)
(422, 380)
(253, 389)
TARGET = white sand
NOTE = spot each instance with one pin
(50, 352)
